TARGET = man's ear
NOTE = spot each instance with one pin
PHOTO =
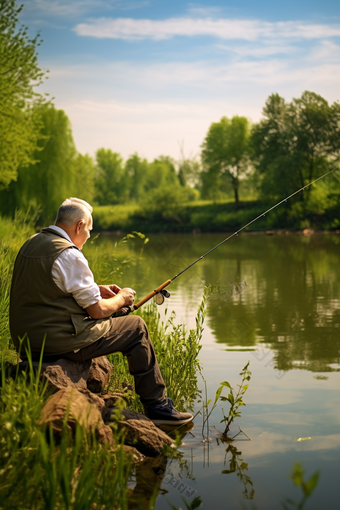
(79, 226)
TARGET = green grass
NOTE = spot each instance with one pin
(321, 212)
(112, 217)
(177, 353)
(13, 233)
(76, 474)
(37, 473)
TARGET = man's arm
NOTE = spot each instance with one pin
(106, 307)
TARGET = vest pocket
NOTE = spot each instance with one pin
(80, 323)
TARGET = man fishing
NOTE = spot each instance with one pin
(54, 297)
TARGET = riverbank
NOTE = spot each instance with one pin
(77, 471)
(207, 216)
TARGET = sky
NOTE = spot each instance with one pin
(150, 76)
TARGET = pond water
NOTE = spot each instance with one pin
(278, 306)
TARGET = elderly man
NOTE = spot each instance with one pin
(54, 297)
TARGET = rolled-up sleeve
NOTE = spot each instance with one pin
(71, 272)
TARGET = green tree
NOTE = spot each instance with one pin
(295, 143)
(161, 173)
(112, 182)
(188, 172)
(83, 172)
(225, 156)
(51, 178)
(137, 169)
(19, 74)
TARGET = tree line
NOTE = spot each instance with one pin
(294, 143)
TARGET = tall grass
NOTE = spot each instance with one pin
(177, 353)
(37, 473)
(13, 233)
(79, 473)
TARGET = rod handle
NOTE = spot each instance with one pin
(151, 295)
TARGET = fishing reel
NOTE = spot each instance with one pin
(160, 296)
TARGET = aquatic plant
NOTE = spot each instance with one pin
(307, 487)
(235, 399)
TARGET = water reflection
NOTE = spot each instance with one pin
(277, 292)
(239, 466)
(288, 317)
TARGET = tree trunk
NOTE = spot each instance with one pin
(236, 194)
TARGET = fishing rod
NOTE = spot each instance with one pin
(160, 292)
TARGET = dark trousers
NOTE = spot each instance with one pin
(129, 335)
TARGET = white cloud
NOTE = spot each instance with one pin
(232, 29)
(326, 51)
(258, 51)
(203, 11)
(64, 8)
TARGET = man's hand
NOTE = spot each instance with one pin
(108, 291)
(128, 294)
(116, 299)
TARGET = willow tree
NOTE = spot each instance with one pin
(225, 156)
(19, 74)
(53, 176)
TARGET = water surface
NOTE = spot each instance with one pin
(277, 305)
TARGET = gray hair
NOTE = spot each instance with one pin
(73, 210)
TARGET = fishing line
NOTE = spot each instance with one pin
(160, 292)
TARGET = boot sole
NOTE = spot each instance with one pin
(171, 422)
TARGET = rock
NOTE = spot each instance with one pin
(62, 373)
(141, 433)
(133, 453)
(99, 374)
(73, 404)
(65, 373)
(90, 375)
(111, 399)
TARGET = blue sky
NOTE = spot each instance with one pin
(149, 76)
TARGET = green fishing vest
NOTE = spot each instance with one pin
(39, 309)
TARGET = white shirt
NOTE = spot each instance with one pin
(71, 273)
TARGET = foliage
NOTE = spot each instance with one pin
(295, 143)
(82, 171)
(189, 172)
(46, 183)
(161, 174)
(112, 182)
(13, 233)
(224, 155)
(136, 169)
(235, 399)
(307, 487)
(166, 203)
(196, 503)
(177, 354)
(73, 474)
(19, 119)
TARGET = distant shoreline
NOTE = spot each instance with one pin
(305, 232)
